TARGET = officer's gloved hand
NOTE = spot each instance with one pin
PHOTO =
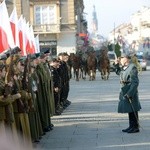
(126, 97)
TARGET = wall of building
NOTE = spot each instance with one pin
(66, 43)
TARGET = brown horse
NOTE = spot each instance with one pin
(75, 62)
(104, 65)
(91, 65)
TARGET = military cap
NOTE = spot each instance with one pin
(8, 53)
(37, 55)
(22, 59)
(3, 57)
(16, 50)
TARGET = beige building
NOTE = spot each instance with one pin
(136, 31)
(57, 22)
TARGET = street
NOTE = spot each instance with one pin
(91, 122)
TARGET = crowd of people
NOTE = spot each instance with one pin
(32, 90)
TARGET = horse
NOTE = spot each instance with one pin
(75, 64)
(104, 65)
(91, 65)
(83, 66)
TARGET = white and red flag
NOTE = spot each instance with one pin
(33, 44)
(6, 38)
(21, 29)
(37, 49)
(14, 26)
(28, 39)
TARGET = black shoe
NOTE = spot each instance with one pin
(133, 130)
(46, 130)
(57, 113)
(126, 130)
(50, 128)
(68, 102)
(51, 125)
(36, 141)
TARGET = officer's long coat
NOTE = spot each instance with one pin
(129, 86)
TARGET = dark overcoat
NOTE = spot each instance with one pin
(129, 86)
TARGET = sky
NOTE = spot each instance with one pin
(112, 13)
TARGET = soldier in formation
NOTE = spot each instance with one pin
(32, 90)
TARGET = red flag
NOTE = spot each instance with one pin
(6, 38)
(28, 39)
(14, 26)
(33, 44)
(21, 29)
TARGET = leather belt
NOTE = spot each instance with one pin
(124, 82)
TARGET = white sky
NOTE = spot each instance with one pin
(112, 13)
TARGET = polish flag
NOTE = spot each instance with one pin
(14, 26)
(28, 39)
(33, 44)
(6, 38)
(21, 29)
(37, 49)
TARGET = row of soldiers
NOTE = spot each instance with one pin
(32, 90)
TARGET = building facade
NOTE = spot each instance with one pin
(136, 32)
(57, 22)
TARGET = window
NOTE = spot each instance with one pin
(45, 14)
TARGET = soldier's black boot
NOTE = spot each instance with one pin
(127, 129)
(130, 124)
(135, 124)
(134, 130)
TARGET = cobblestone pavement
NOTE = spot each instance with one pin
(91, 122)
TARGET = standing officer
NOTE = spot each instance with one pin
(54, 65)
(128, 98)
(64, 74)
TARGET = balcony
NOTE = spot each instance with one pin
(46, 28)
(68, 27)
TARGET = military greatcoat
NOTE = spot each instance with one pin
(129, 86)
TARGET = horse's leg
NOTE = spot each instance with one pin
(105, 74)
(70, 71)
(91, 75)
(108, 72)
(85, 71)
(82, 72)
(77, 74)
(102, 74)
(94, 74)
(74, 72)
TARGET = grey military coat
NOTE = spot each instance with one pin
(129, 86)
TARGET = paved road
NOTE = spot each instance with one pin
(91, 122)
